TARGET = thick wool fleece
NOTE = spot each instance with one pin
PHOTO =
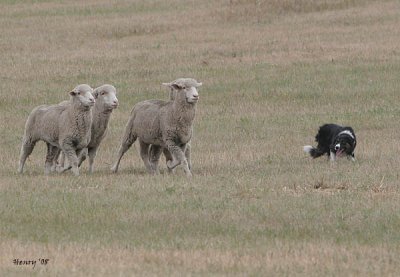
(66, 127)
(167, 124)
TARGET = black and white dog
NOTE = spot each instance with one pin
(335, 141)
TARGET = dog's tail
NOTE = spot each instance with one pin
(314, 152)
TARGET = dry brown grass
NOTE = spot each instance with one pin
(307, 258)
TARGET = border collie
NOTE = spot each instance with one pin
(335, 141)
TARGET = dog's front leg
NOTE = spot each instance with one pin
(332, 156)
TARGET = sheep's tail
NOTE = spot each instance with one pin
(128, 137)
(127, 140)
(314, 152)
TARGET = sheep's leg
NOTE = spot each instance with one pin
(144, 154)
(92, 154)
(155, 153)
(54, 166)
(55, 158)
(178, 157)
(64, 165)
(82, 156)
(125, 145)
(26, 150)
(52, 152)
(188, 151)
(61, 162)
(71, 155)
(168, 159)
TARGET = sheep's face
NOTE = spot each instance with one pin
(184, 88)
(106, 97)
(83, 94)
(192, 95)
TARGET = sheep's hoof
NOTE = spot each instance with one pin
(154, 170)
(189, 174)
(171, 171)
(75, 171)
(171, 165)
(114, 169)
(61, 169)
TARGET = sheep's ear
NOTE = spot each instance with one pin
(177, 87)
(173, 86)
(199, 84)
(167, 85)
(95, 93)
(72, 93)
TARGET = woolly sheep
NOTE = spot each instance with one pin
(65, 127)
(155, 151)
(106, 102)
(167, 124)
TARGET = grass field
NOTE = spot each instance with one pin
(272, 72)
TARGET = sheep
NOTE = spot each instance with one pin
(65, 127)
(155, 151)
(106, 102)
(166, 124)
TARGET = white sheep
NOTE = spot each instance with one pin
(65, 127)
(155, 151)
(167, 124)
(106, 102)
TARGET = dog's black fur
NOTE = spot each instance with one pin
(333, 140)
